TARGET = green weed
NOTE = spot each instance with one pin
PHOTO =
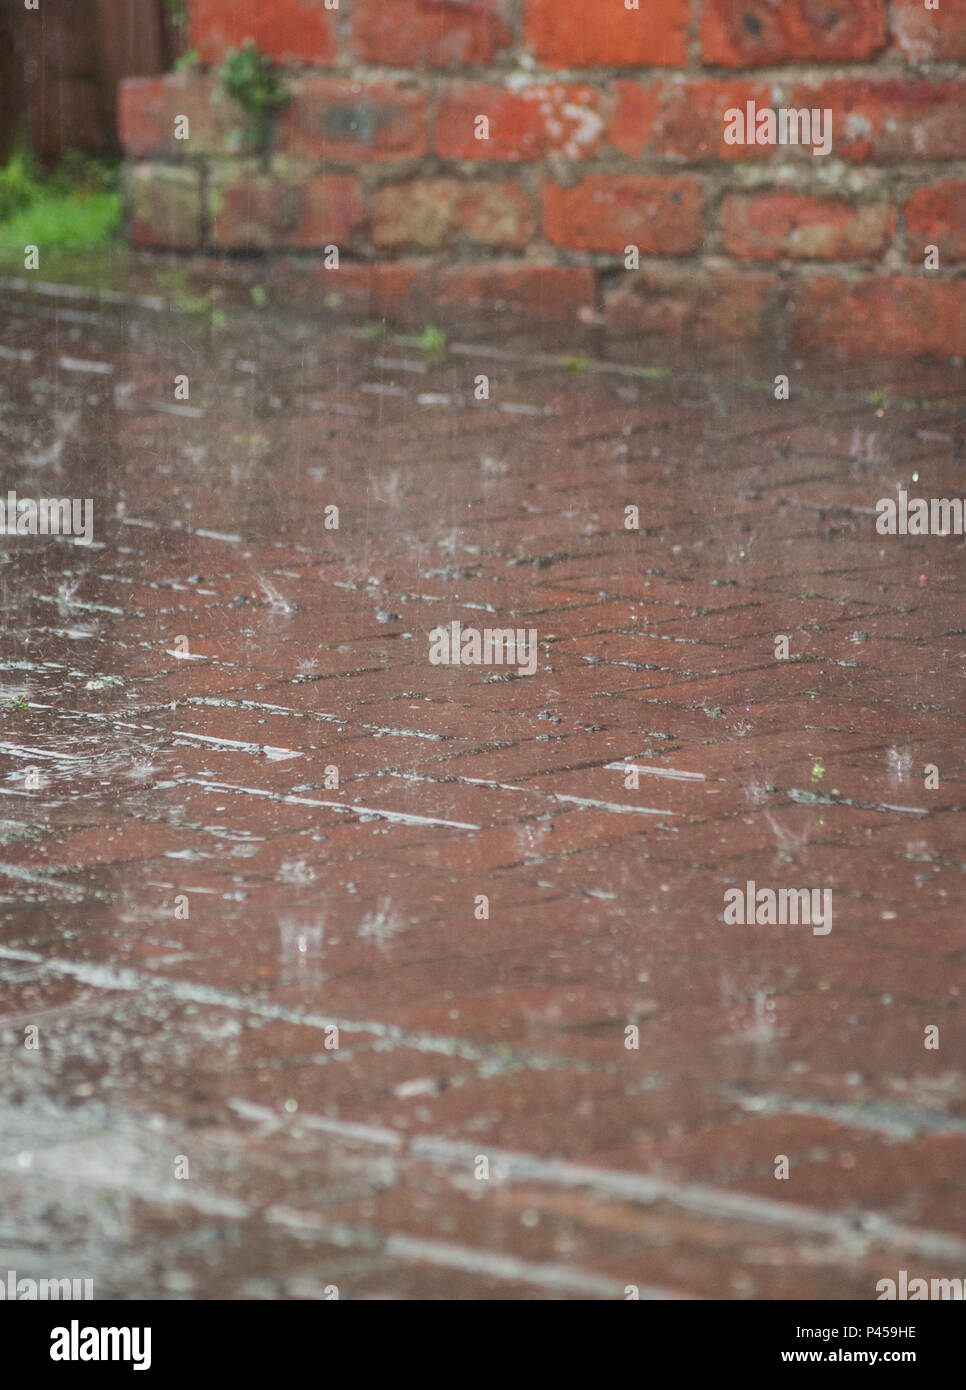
(77, 207)
(432, 342)
(252, 79)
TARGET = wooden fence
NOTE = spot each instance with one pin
(60, 65)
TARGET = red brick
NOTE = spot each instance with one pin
(164, 206)
(772, 226)
(250, 209)
(530, 124)
(565, 34)
(291, 31)
(749, 33)
(329, 118)
(439, 33)
(544, 291)
(148, 107)
(431, 213)
(930, 35)
(332, 211)
(891, 120)
(706, 308)
(936, 216)
(683, 120)
(394, 290)
(372, 289)
(659, 215)
(881, 316)
(410, 290)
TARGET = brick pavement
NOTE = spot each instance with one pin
(287, 982)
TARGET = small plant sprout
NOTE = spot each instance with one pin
(251, 78)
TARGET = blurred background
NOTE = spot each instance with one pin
(59, 77)
(60, 156)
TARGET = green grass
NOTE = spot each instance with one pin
(75, 209)
(62, 222)
(18, 186)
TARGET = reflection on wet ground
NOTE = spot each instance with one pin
(304, 935)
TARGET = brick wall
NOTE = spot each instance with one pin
(605, 130)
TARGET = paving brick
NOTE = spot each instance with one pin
(502, 1033)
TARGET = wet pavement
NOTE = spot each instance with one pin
(262, 1037)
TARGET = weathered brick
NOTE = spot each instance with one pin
(291, 31)
(936, 216)
(881, 316)
(704, 308)
(929, 35)
(683, 120)
(748, 33)
(887, 121)
(772, 226)
(570, 35)
(329, 118)
(164, 206)
(149, 106)
(251, 209)
(545, 291)
(439, 33)
(399, 291)
(371, 289)
(659, 215)
(530, 124)
(430, 213)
